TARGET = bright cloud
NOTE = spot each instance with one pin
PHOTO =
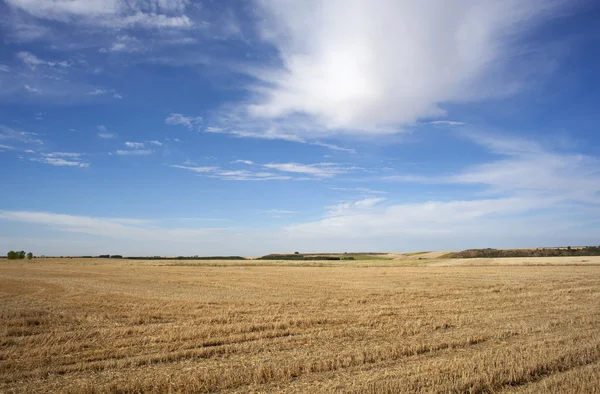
(136, 145)
(367, 65)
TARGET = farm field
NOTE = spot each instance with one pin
(383, 326)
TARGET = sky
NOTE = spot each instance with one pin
(181, 127)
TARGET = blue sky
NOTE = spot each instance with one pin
(173, 127)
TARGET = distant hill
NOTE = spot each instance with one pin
(539, 252)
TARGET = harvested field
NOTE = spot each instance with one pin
(87, 326)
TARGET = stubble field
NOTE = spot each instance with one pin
(86, 326)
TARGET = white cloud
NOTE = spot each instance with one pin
(62, 154)
(134, 144)
(125, 44)
(446, 220)
(31, 89)
(346, 207)
(358, 189)
(4, 68)
(238, 123)
(117, 96)
(109, 227)
(206, 169)
(446, 123)
(59, 161)
(7, 147)
(10, 134)
(97, 92)
(234, 175)
(190, 122)
(319, 170)
(33, 61)
(278, 212)
(157, 143)
(249, 162)
(527, 169)
(245, 175)
(107, 136)
(104, 133)
(135, 152)
(371, 66)
(110, 13)
(332, 146)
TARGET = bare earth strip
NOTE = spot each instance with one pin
(386, 326)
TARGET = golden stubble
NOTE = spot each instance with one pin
(87, 326)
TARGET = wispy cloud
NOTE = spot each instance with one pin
(319, 170)
(527, 169)
(234, 175)
(61, 159)
(446, 123)
(284, 171)
(110, 13)
(278, 212)
(63, 154)
(104, 133)
(97, 92)
(358, 189)
(125, 43)
(24, 137)
(156, 143)
(4, 68)
(272, 133)
(346, 207)
(202, 170)
(191, 122)
(126, 228)
(136, 145)
(134, 152)
(33, 61)
(31, 89)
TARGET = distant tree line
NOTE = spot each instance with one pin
(301, 257)
(12, 255)
(187, 258)
(539, 252)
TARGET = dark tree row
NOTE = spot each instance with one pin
(540, 252)
(12, 255)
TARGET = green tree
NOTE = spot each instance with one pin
(12, 255)
(22, 255)
(29, 256)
